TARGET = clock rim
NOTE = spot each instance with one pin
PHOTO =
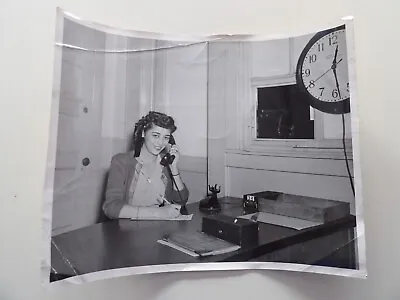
(338, 107)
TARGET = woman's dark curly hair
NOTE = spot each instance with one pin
(147, 122)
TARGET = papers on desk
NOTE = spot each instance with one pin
(198, 244)
(183, 218)
(178, 218)
(280, 220)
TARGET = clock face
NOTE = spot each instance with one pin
(323, 68)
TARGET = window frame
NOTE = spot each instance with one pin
(317, 147)
(288, 80)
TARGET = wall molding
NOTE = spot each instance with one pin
(301, 165)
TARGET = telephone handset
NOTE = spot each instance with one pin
(166, 161)
(168, 158)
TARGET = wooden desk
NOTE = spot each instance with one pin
(124, 243)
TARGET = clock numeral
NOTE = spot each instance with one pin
(311, 85)
(307, 72)
(348, 87)
(322, 90)
(335, 93)
(313, 58)
(333, 40)
(321, 47)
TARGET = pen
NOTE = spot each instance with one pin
(173, 205)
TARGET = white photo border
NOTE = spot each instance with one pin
(361, 272)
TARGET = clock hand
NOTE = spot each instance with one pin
(322, 75)
(334, 59)
(337, 83)
(331, 68)
(334, 66)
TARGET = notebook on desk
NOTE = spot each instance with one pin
(198, 244)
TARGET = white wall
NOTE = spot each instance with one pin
(182, 93)
(180, 89)
(26, 85)
(117, 89)
(78, 189)
(115, 85)
(128, 91)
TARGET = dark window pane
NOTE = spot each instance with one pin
(283, 114)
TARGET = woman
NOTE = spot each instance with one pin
(139, 186)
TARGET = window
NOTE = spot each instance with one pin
(281, 113)
(281, 122)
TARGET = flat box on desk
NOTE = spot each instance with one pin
(306, 208)
(235, 230)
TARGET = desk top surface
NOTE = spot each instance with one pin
(125, 243)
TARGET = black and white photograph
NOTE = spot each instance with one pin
(202, 153)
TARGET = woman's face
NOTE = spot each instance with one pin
(156, 138)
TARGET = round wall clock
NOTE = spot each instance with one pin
(322, 71)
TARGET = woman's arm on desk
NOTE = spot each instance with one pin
(145, 213)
